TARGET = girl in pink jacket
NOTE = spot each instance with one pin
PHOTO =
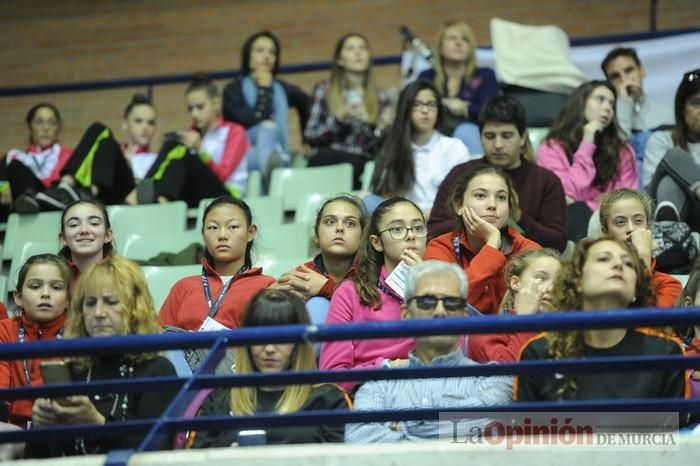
(585, 150)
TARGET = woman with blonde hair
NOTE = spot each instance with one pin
(465, 87)
(110, 299)
(348, 113)
(603, 274)
(274, 307)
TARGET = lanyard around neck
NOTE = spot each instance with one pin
(214, 308)
(21, 335)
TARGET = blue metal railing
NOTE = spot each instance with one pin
(171, 421)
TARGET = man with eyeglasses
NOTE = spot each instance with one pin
(434, 290)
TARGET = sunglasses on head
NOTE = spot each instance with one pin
(429, 302)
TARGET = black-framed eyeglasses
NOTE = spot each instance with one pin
(429, 302)
(400, 232)
(420, 105)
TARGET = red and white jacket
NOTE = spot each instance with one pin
(45, 162)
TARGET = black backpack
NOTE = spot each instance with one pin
(676, 249)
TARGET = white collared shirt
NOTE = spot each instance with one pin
(433, 161)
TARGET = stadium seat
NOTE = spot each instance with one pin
(308, 207)
(3, 288)
(292, 184)
(367, 175)
(536, 136)
(44, 226)
(161, 279)
(267, 211)
(143, 247)
(144, 219)
(24, 251)
(254, 184)
(287, 241)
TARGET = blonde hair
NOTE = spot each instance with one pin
(129, 284)
(609, 199)
(438, 65)
(336, 99)
(516, 266)
(274, 307)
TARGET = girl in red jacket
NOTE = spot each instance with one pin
(31, 172)
(483, 201)
(222, 145)
(338, 234)
(626, 214)
(216, 299)
(529, 277)
(43, 292)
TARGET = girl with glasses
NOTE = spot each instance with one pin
(416, 156)
(396, 233)
(483, 201)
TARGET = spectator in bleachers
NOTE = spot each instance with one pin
(260, 102)
(483, 202)
(86, 235)
(602, 274)
(416, 156)
(585, 150)
(32, 171)
(111, 299)
(691, 334)
(626, 214)
(635, 111)
(434, 290)
(465, 86)
(42, 296)
(338, 231)
(395, 236)
(529, 276)
(223, 145)
(216, 299)
(274, 307)
(672, 159)
(542, 213)
(348, 113)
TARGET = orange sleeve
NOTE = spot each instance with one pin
(441, 249)
(666, 288)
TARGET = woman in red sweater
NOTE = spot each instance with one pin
(43, 293)
(216, 299)
(337, 233)
(626, 214)
(483, 201)
(529, 277)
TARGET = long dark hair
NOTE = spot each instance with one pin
(689, 86)
(248, 47)
(108, 249)
(567, 129)
(32, 112)
(395, 172)
(370, 260)
(229, 200)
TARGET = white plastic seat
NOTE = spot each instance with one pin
(292, 184)
(161, 279)
(143, 247)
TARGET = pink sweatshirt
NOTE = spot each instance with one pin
(577, 177)
(362, 354)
